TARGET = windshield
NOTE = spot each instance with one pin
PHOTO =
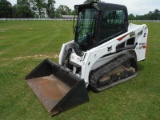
(85, 28)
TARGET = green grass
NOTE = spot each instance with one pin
(24, 44)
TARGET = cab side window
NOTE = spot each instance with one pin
(112, 24)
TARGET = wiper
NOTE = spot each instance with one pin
(92, 24)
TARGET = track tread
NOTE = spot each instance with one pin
(98, 73)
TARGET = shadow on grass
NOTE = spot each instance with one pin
(89, 89)
(140, 67)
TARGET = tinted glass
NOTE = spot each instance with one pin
(85, 27)
(112, 24)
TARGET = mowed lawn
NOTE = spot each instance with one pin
(24, 44)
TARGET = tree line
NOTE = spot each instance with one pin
(33, 9)
(151, 15)
(46, 9)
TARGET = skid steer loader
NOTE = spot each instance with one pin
(104, 53)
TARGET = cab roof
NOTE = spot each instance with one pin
(101, 6)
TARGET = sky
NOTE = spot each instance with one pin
(137, 7)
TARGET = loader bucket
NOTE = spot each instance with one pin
(57, 88)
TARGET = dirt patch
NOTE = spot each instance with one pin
(2, 37)
(56, 56)
(36, 57)
(39, 56)
(1, 53)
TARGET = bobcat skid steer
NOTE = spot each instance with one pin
(103, 54)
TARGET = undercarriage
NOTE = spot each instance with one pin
(118, 70)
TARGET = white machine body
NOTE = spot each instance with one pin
(94, 58)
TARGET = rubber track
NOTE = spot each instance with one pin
(98, 73)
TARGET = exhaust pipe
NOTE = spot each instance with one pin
(57, 88)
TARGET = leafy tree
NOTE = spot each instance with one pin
(131, 17)
(88, 1)
(50, 8)
(62, 10)
(5, 9)
(38, 5)
(44, 7)
(156, 14)
(73, 12)
(22, 9)
(23, 2)
(152, 15)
